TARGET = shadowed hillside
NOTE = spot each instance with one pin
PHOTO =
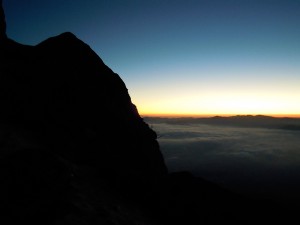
(74, 149)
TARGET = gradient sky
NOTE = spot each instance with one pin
(182, 56)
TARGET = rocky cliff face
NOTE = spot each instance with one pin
(2, 23)
(66, 117)
(63, 92)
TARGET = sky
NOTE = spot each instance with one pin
(182, 57)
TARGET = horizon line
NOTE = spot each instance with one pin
(177, 115)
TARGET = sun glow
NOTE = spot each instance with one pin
(252, 95)
(222, 105)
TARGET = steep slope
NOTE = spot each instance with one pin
(78, 104)
(68, 128)
(2, 23)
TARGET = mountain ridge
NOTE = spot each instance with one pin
(248, 121)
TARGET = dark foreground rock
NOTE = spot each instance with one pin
(74, 150)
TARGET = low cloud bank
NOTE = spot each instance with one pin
(252, 160)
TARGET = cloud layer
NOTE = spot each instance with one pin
(249, 160)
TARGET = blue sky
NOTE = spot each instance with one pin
(183, 56)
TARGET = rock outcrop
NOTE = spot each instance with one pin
(80, 107)
(67, 121)
(2, 23)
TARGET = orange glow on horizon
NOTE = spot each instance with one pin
(245, 97)
(227, 104)
(176, 115)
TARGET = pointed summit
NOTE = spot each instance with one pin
(2, 23)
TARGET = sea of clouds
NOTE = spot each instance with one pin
(255, 161)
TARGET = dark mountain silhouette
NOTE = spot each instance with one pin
(2, 23)
(258, 121)
(74, 149)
